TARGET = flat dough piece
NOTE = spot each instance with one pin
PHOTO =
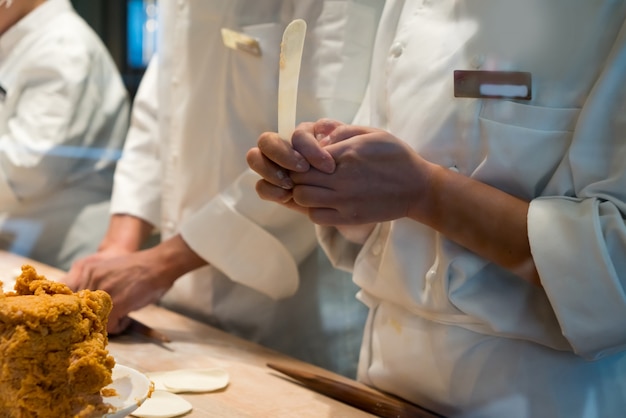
(190, 380)
(162, 404)
(157, 379)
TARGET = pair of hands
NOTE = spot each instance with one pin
(340, 175)
(347, 176)
(134, 278)
(352, 177)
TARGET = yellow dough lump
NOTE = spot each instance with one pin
(53, 357)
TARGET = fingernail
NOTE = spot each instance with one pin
(324, 141)
(285, 180)
(302, 165)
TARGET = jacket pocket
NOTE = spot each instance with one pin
(255, 77)
(522, 145)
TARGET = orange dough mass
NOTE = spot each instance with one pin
(53, 357)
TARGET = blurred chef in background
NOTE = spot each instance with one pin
(227, 257)
(63, 118)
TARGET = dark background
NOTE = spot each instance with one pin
(108, 19)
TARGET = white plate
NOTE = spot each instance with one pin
(132, 389)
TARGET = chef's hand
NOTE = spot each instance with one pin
(77, 278)
(274, 159)
(125, 235)
(377, 178)
(131, 280)
(136, 279)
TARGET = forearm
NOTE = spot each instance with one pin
(479, 217)
(126, 232)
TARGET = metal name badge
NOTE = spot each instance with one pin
(240, 41)
(493, 84)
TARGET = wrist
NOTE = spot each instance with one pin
(424, 195)
(176, 257)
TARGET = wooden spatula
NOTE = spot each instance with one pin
(291, 49)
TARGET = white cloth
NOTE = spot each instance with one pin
(448, 329)
(63, 121)
(212, 103)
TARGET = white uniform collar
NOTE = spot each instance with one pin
(31, 22)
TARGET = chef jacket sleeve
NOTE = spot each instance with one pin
(255, 243)
(341, 252)
(579, 242)
(45, 141)
(137, 183)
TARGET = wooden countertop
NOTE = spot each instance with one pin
(254, 389)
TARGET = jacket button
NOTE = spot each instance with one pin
(397, 49)
(477, 61)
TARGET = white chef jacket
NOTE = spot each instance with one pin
(63, 121)
(212, 102)
(448, 329)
